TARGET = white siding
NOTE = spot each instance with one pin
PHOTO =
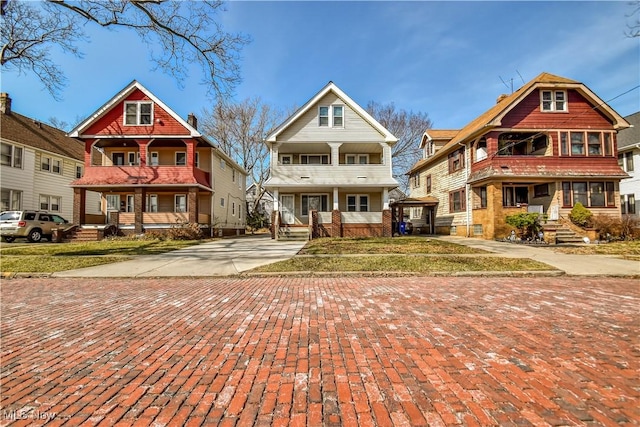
(306, 128)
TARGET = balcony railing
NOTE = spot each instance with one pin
(332, 174)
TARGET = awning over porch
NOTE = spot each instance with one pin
(414, 202)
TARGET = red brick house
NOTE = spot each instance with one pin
(547, 146)
(155, 169)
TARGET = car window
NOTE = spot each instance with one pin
(57, 219)
(10, 216)
(44, 217)
(29, 216)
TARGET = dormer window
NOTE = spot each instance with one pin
(139, 113)
(553, 100)
(331, 116)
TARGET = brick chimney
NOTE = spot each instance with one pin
(192, 120)
(5, 103)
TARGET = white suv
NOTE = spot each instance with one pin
(34, 225)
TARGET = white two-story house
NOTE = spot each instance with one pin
(331, 170)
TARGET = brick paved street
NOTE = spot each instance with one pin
(321, 351)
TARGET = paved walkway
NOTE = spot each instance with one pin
(409, 351)
(222, 257)
(576, 265)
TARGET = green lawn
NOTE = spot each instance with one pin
(52, 257)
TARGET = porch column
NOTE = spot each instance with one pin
(386, 157)
(336, 223)
(276, 200)
(336, 201)
(192, 205)
(335, 153)
(138, 209)
(387, 223)
(79, 205)
(385, 198)
(274, 155)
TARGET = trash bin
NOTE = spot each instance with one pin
(403, 226)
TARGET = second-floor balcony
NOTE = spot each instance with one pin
(331, 175)
(143, 175)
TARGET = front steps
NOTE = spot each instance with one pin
(85, 235)
(293, 233)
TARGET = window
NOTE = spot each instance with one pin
(541, 190)
(56, 166)
(457, 201)
(625, 161)
(356, 159)
(117, 159)
(286, 159)
(564, 144)
(428, 184)
(593, 143)
(113, 202)
(54, 203)
(130, 203)
(233, 175)
(197, 159)
(154, 158)
(553, 100)
(416, 213)
(514, 196)
(10, 200)
(357, 203)
(483, 196)
(138, 113)
(180, 203)
(456, 160)
(607, 144)
(323, 114)
(222, 202)
(133, 158)
(45, 164)
(314, 159)
(337, 116)
(481, 149)
(590, 194)
(313, 202)
(233, 208)
(335, 112)
(181, 158)
(11, 155)
(152, 203)
(628, 204)
(577, 143)
(415, 180)
(79, 171)
(223, 164)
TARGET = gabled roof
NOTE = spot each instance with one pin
(630, 137)
(492, 118)
(23, 130)
(121, 96)
(331, 87)
(438, 135)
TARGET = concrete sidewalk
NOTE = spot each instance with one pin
(223, 257)
(575, 265)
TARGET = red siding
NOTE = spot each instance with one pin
(581, 115)
(112, 122)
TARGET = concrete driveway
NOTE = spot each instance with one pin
(223, 257)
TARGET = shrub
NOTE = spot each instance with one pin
(629, 227)
(580, 215)
(527, 223)
(607, 226)
(185, 231)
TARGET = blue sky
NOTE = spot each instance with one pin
(446, 59)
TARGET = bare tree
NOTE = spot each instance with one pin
(408, 127)
(239, 129)
(634, 17)
(178, 33)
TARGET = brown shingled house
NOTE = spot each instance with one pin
(544, 148)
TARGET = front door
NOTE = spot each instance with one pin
(287, 209)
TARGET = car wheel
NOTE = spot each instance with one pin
(8, 239)
(35, 235)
